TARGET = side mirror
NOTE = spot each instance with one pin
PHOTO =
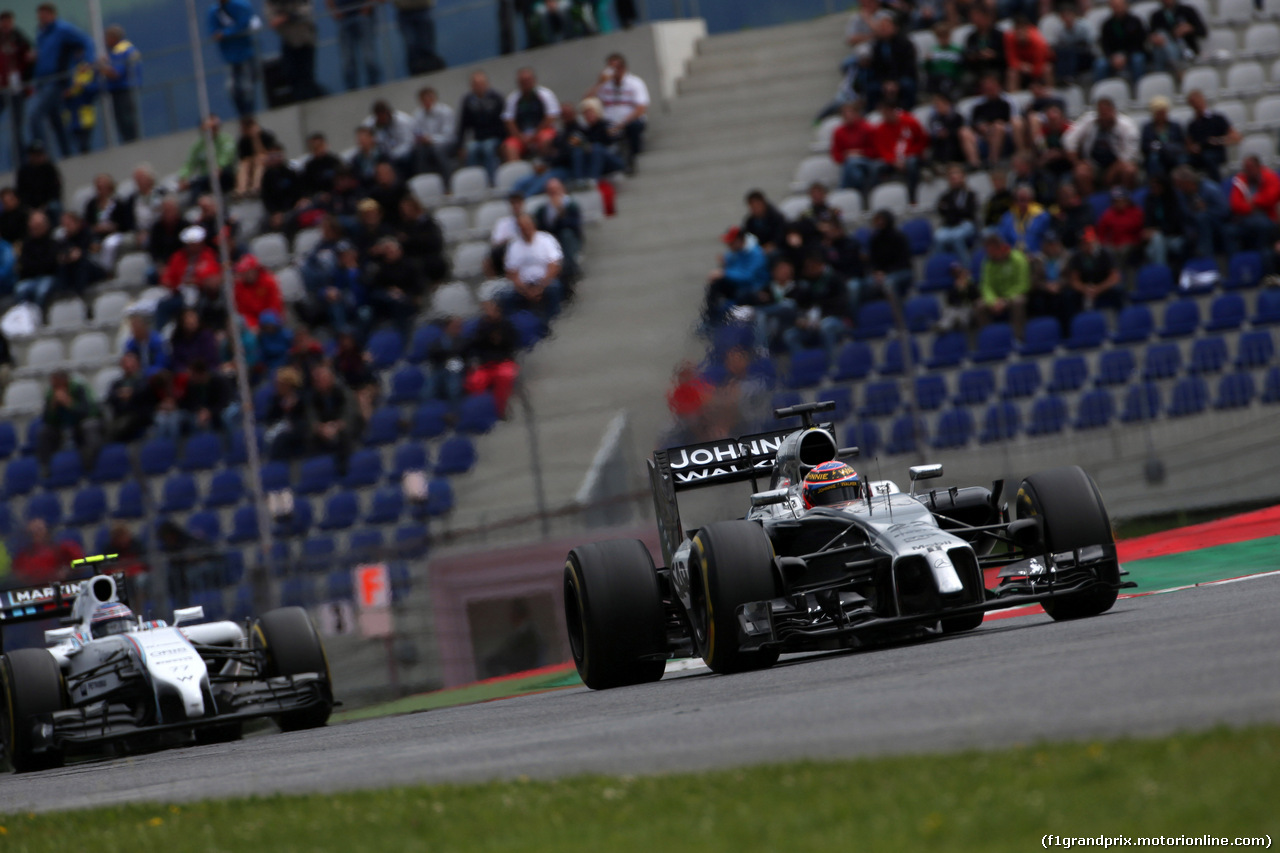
(1027, 534)
(769, 498)
(187, 614)
(847, 453)
(925, 472)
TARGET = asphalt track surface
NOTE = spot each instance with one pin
(1185, 660)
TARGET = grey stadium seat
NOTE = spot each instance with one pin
(1204, 79)
(66, 315)
(470, 182)
(1235, 112)
(80, 198)
(848, 202)
(250, 215)
(1221, 39)
(509, 173)
(271, 250)
(1261, 144)
(101, 382)
(89, 350)
(891, 196)
(1262, 40)
(453, 300)
(44, 355)
(1153, 84)
(292, 288)
(24, 395)
(1113, 88)
(109, 308)
(823, 133)
(1246, 79)
(131, 269)
(1235, 11)
(792, 206)
(816, 167)
(428, 189)
(1050, 26)
(592, 206)
(488, 214)
(453, 223)
(1266, 113)
(980, 183)
(305, 241)
(468, 259)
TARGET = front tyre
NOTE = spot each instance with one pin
(614, 615)
(1067, 502)
(30, 685)
(731, 565)
(291, 646)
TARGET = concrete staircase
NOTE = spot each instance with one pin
(742, 120)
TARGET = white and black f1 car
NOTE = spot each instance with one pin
(789, 578)
(108, 677)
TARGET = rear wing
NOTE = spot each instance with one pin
(48, 601)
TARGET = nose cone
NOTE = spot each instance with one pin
(944, 573)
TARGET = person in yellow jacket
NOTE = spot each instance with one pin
(80, 100)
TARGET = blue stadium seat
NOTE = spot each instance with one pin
(949, 349)
(1244, 269)
(32, 443)
(906, 435)
(1181, 318)
(439, 496)
(233, 566)
(995, 342)
(20, 476)
(529, 328)
(412, 541)
(921, 313)
(385, 347)
(875, 319)
(239, 453)
(842, 396)
(1271, 386)
(89, 506)
(297, 592)
(1021, 379)
(387, 506)
(1069, 374)
(263, 395)
(213, 603)
(1256, 349)
(976, 385)
(408, 457)
(477, 413)
(406, 385)
(364, 468)
(1088, 330)
(424, 338)
(129, 503)
(457, 455)
(1268, 308)
(318, 553)
(783, 399)
(879, 399)
(1048, 416)
(894, 364)
(383, 427)
(1134, 324)
(1154, 283)
(1208, 355)
(976, 259)
(101, 539)
(955, 428)
(1162, 361)
(365, 545)
(865, 436)
(1190, 396)
(1094, 409)
(853, 361)
(919, 234)
(64, 470)
(1199, 275)
(244, 525)
(242, 608)
(1041, 336)
(280, 560)
(1001, 422)
(339, 586)
(316, 475)
(937, 273)
(1235, 391)
(206, 525)
(157, 457)
(299, 522)
(1099, 201)
(275, 476)
(808, 367)
(179, 493)
(47, 506)
(8, 440)
(6, 520)
(1225, 312)
(340, 511)
(401, 580)
(203, 452)
(930, 392)
(429, 419)
(1141, 402)
(1115, 367)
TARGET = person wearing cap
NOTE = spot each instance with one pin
(1176, 29)
(186, 270)
(1255, 203)
(1205, 212)
(852, 147)
(393, 132)
(1004, 284)
(1120, 228)
(1164, 145)
(1108, 141)
(1024, 224)
(624, 100)
(257, 290)
(743, 270)
(1093, 276)
(194, 176)
(1049, 284)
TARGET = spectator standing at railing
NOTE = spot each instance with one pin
(435, 129)
(294, 22)
(418, 29)
(81, 102)
(231, 25)
(59, 46)
(121, 69)
(357, 24)
(481, 113)
(16, 57)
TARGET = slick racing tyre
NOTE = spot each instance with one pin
(1067, 502)
(291, 646)
(30, 685)
(613, 613)
(731, 564)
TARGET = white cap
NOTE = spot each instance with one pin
(192, 234)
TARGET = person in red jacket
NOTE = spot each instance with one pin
(256, 291)
(41, 560)
(851, 147)
(1120, 227)
(1255, 194)
(1028, 56)
(188, 267)
(899, 142)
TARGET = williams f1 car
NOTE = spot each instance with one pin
(876, 564)
(107, 677)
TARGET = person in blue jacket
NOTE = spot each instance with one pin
(231, 24)
(121, 71)
(743, 271)
(59, 48)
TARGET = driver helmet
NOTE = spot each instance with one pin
(831, 483)
(112, 618)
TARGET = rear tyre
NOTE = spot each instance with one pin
(30, 685)
(614, 615)
(731, 564)
(1067, 502)
(292, 647)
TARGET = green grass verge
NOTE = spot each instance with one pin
(470, 694)
(1222, 783)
